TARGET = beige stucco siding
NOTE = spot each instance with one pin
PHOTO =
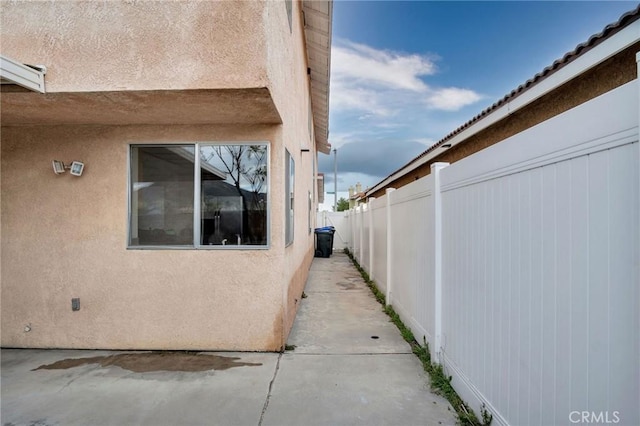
(138, 45)
(65, 237)
(290, 90)
(289, 83)
(122, 73)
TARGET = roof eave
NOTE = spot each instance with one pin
(318, 17)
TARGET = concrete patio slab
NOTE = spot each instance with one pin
(354, 390)
(94, 395)
(344, 323)
(350, 365)
(337, 375)
(340, 314)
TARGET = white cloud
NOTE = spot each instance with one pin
(452, 98)
(337, 139)
(390, 69)
(346, 96)
(385, 110)
(383, 85)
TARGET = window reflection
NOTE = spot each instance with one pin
(233, 194)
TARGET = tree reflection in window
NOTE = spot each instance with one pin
(234, 187)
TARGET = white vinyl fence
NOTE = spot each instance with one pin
(340, 221)
(519, 265)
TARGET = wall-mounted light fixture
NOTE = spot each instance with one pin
(58, 167)
(75, 168)
(305, 150)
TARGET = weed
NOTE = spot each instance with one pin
(380, 297)
(487, 417)
(290, 347)
(440, 382)
(304, 295)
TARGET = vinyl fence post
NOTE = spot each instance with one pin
(370, 211)
(353, 230)
(638, 80)
(361, 208)
(389, 250)
(437, 257)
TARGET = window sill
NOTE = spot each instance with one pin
(267, 247)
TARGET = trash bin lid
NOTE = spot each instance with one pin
(326, 229)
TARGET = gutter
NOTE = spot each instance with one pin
(28, 76)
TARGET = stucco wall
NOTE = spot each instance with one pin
(138, 45)
(288, 84)
(66, 236)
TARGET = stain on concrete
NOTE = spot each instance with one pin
(346, 285)
(41, 422)
(146, 362)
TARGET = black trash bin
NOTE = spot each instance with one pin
(331, 229)
(324, 242)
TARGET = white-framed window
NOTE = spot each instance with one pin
(290, 174)
(220, 203)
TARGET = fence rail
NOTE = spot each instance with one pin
(519, 265)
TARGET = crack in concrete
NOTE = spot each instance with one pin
(266, 401)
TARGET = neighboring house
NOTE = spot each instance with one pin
(356, 196)
(606, 61)
(198, 124)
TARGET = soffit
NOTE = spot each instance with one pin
(317, 29)
(220, 106)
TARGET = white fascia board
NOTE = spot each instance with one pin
(22, 75)
(586, 61)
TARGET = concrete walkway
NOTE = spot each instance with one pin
(350, 366)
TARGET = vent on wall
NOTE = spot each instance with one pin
(320, 188)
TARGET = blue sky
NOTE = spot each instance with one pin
(405, 74)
